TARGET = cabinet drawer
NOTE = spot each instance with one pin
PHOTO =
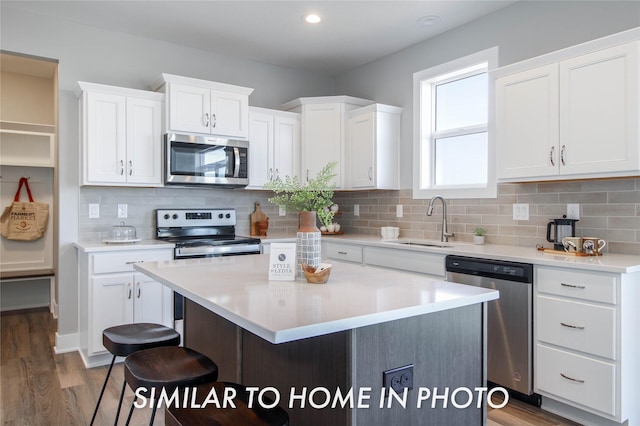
(577, 378)
(580, 326)
(405, 260)
(587, 285)
(346, 252)
(123, 261)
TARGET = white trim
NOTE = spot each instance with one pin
(66, 343)
(490, 56)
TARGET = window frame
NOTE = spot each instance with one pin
(450, 71)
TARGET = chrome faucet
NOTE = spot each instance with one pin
(445, 235)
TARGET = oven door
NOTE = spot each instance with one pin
(200, 160)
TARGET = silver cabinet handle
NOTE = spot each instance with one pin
(573, 285)
(342, 252)
(206, 119)
(562, 154)
(578, 327)
(129, 286)
(270, 174)
(307, 175)
(571, 378)
(277, 174)
(138, 285)
(131, 262)
(130, 167)
(213, 117)
(121, 167)
(553, 148)
(371, 173)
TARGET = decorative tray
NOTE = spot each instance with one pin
(129, 241)
(566, 253)
(332, 233)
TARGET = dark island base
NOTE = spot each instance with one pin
(446, 349)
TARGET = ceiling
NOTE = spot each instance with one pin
(351, 34)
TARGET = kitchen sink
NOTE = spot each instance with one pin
(422, 243)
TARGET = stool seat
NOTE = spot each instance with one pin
(226, 416)
(123, 340)
(167, 367)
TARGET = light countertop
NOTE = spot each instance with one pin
(608, 262)
(95, 246)
(237, 288)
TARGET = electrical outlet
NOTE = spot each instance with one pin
(399, 210)
(573, 211)
(398, 378)
(356, 209)
(122, 211)
(94, 211)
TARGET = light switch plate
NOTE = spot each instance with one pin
(356, 209)
(521, 212)
(399, 210)
(122, 211)
(94, 211)
(281, 211)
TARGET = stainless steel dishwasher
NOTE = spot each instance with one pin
(509, 319)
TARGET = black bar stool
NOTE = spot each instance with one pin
(226, 416)
(123, 340)
(168, 368)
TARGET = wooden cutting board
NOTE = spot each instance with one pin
(256, 216)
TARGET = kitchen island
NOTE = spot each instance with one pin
(314, 343)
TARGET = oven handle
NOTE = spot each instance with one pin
(236, 168)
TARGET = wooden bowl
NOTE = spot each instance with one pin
(319, 275)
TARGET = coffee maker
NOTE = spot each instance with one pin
(561, 228)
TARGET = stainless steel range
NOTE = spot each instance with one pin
(200, 233)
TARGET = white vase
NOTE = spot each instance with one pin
(478, 239)
(308, 242)
(331, 228)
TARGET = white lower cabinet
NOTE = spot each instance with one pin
(112, 293)
(344, 252)
(586, 343)
(406, 260)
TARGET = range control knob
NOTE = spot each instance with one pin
(175, 216)
(228, 215)
(220, 216)
(166, 216)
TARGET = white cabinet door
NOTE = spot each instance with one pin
(322, 129)
(261, 135)
(286, 143)
(274, 138)
(111, 305)
(153, 302)
(229, 112)
(527, 123)
(189, 108)
(599, 111)
(106, 138)
(144, 141)
(362, 138)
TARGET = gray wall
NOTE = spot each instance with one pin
(521, 31)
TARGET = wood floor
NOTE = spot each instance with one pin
(38, 387)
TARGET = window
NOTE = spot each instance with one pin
(453, 152)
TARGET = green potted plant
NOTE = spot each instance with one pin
(308, 199)
(478, 235)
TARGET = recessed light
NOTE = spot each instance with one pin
(312, 18)
(429, 20)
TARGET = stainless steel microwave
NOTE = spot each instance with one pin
(203, 160)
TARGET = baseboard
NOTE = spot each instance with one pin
(66, 343)
(53, 308)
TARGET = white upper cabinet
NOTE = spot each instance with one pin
(274, 140)
(121, 136)
(373, 147)
(574, 118)
(324, 123)
(200, 106)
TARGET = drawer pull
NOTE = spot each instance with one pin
(342, 252)
(579, 327)
(573, 285)
(135, 261)
(571, 378)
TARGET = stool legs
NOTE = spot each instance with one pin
(153, 412)
(104, 386)
(124, 385)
